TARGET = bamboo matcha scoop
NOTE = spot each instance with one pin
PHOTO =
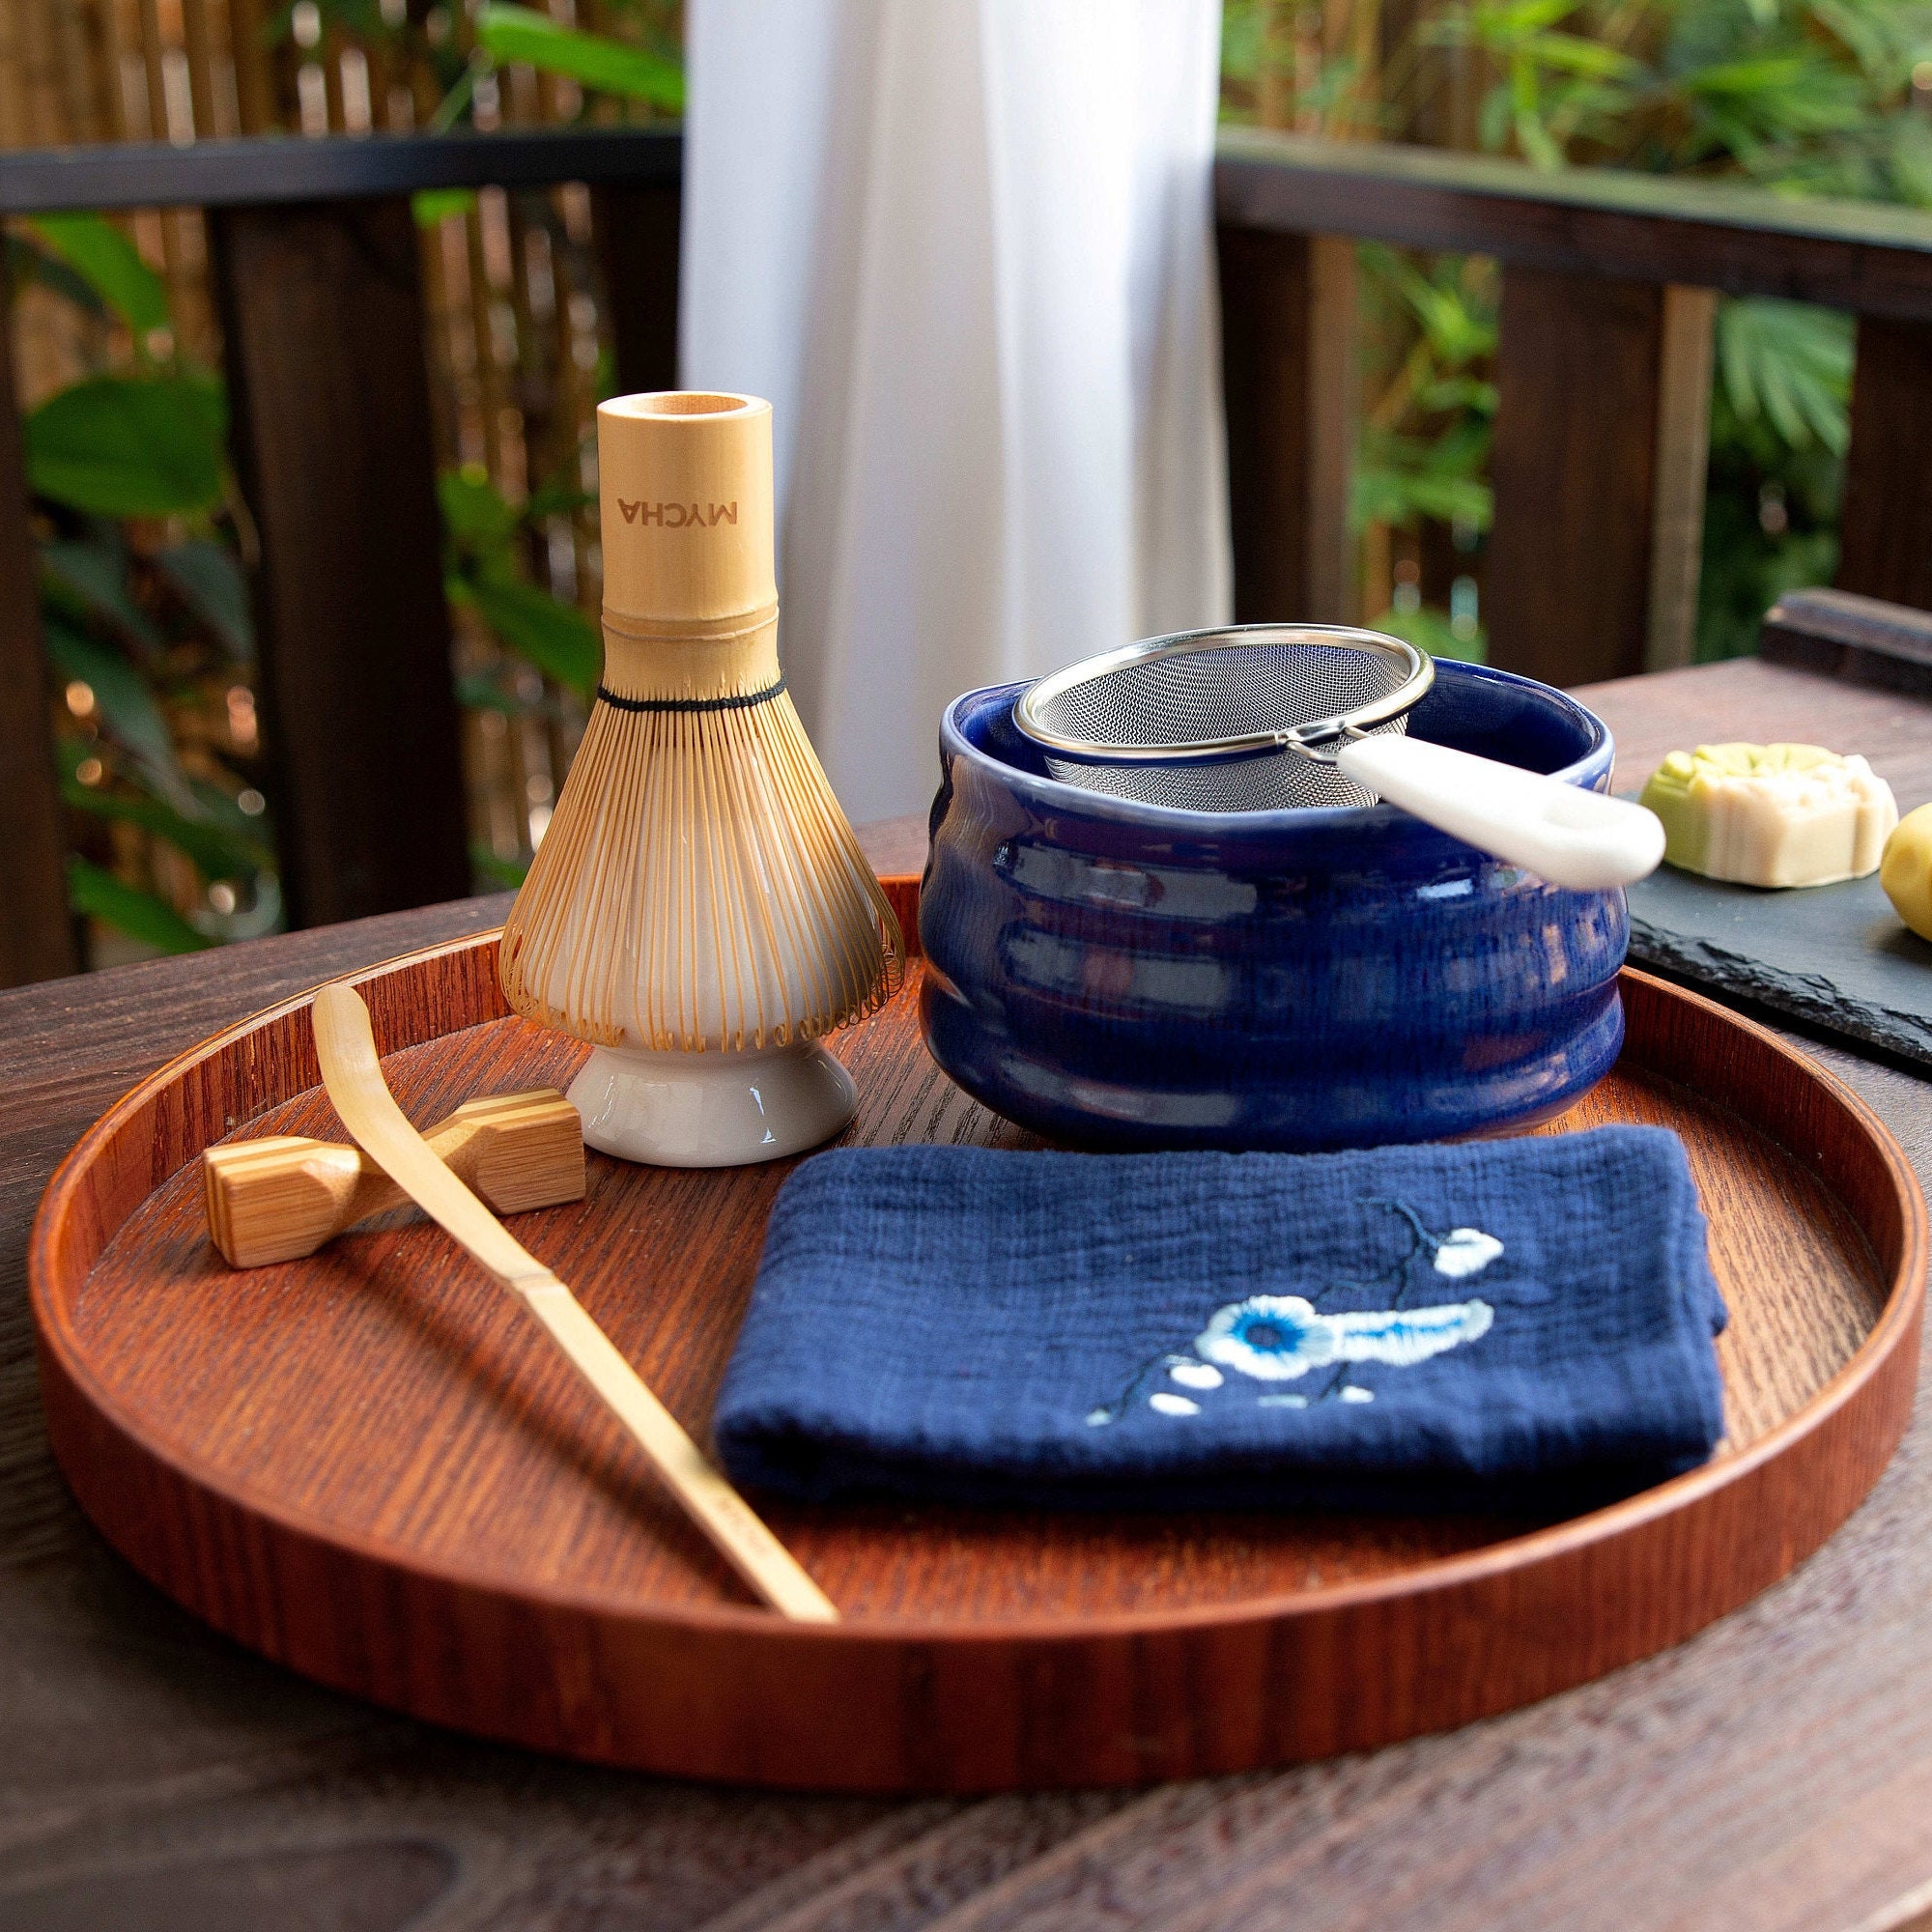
(353, 1074)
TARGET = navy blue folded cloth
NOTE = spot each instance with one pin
(1508, 1325)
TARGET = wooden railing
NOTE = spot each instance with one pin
(1604, 367)
(1603, 370)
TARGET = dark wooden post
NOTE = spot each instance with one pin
(636, 247)
(1288, 335)
(322, 317)
(36, 939)
(1682, 475)
(1887, 525)
(1574, 468)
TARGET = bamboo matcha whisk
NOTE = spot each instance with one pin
(698, 909)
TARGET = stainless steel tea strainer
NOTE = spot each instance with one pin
(1268, 717)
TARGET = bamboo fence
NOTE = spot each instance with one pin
(516, 333)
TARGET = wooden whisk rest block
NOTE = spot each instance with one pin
(278, 1199)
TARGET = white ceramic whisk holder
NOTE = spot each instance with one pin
(712, 1109)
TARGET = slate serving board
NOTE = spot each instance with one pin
(1835, 955)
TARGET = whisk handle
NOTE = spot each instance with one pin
(1584, 840)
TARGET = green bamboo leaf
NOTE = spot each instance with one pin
(1539, 148)
(1399, 489)
(1492, 122)
(495, 874)
(477, 691)
(1765, 75)
(1863, 38)
(432, 205)
(1456, 331)
(561, 494)
(30, 260)
(1525, 16)
(1910, 159)
(1459, 393)
(126, 708)
(1573, 54)
(217, 853)
(245, 828)
(109, 263)
(476, 518)
(557, 638)
(1463, 449)
(93, 578)
(140, 915)
(1430, 631)
(1790, 364)
(122, 448)
(1774, 386)
(455, 103)
(208, 577)
(613, 67)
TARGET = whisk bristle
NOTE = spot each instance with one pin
(698, 886)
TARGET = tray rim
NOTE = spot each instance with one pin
(1896, 1323)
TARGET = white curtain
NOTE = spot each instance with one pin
(965, 248)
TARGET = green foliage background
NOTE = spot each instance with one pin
(143, 605)
(141, 533)
(1800, 97)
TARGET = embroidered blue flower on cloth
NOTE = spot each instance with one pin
(1280, 1337)
(1276, 1338)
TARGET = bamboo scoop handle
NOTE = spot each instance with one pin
(282, 1197)
(353, 1076)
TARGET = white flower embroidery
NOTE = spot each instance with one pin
(1196, 1375)
(1465, 1251)
(1173, 1404)
(1354, 1392)
(1280, 1337)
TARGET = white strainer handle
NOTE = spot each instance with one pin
(1573, 837)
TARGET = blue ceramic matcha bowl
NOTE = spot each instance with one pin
(1124, 974)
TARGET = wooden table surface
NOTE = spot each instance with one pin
(1773, 1772)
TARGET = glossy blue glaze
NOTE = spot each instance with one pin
(1124, 974)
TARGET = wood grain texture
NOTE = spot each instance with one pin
(1772, 1774)
(250, 173)
(36, 940)
(1854, 639)
(1288, 313)
(1885, 524)
(1575, 469)
(1762, 702)
(277, 1199)
(638, 227)
(1872, 259)
(1683, 464)
(1581, 221)
(215, 1437)
(332, 444)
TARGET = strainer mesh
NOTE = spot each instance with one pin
(1223, 691)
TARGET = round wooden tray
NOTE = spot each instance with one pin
(367, 1465)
